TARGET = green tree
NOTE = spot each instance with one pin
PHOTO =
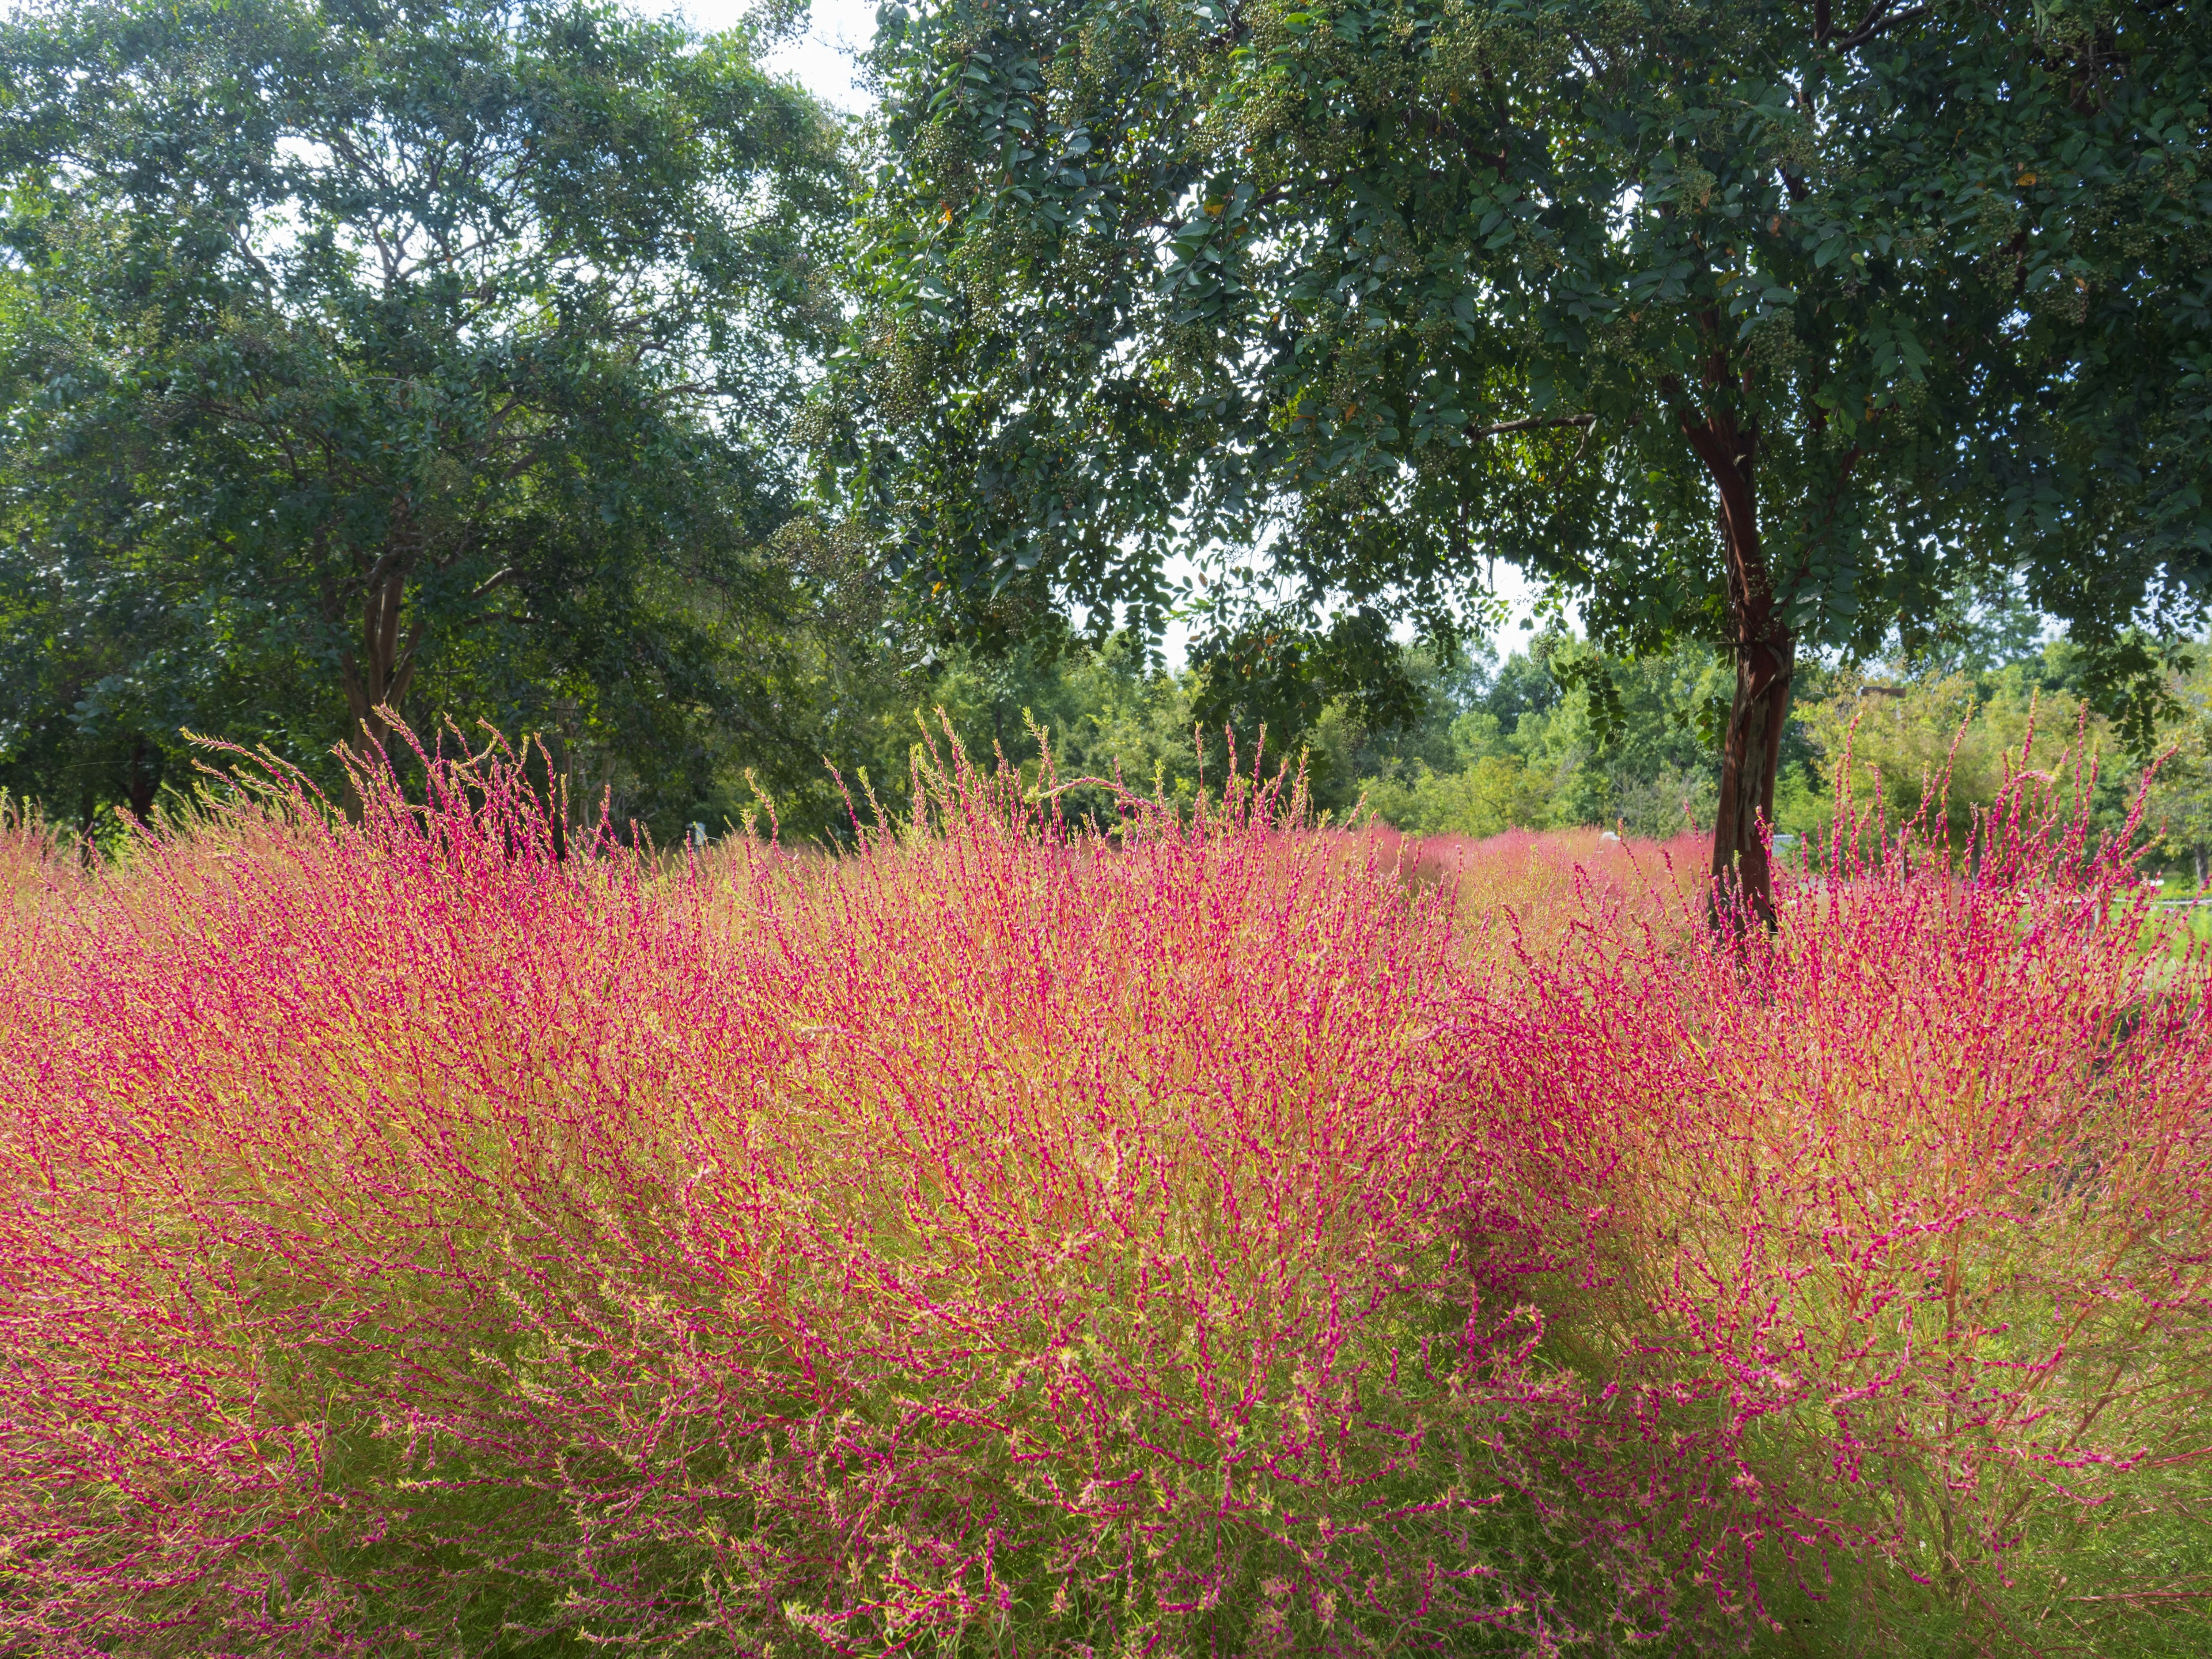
(2179, 813)
(1936, 738)
(1631, 745)
(1488, 790)
(383, 359)
(1751, 324)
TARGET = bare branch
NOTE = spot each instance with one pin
(1877, 20)
(1531, 423)
(498, 580)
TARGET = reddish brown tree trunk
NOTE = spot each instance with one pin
(1765, 658)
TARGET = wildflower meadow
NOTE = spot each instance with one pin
(430, 1229)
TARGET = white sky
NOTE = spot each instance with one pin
(822, 61)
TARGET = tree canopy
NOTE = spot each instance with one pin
(1743, 323)
(428, 356)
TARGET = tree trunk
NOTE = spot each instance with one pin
(377, 674)
(1751, 756)
(1765, 658)
(141, 778)
(87, 821)
(379, 671)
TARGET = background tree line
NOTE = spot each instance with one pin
(550, 365)
(1551, 735)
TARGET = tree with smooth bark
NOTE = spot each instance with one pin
(1731, 320)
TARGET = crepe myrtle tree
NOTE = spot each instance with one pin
(1771, 324)
(375, 360)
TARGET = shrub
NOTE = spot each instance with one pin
(420, 1234)
(1882, 1252)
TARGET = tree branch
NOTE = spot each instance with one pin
(498, 579)
(386, 563)
(403, 675)
(1879, 17)
(1531, 423)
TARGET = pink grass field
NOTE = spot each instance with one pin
(1230, 1238)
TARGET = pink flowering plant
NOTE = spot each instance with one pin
(438, 1231)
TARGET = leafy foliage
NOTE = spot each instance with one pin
(1748, 324)
(1557, 735)
(433, 354)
